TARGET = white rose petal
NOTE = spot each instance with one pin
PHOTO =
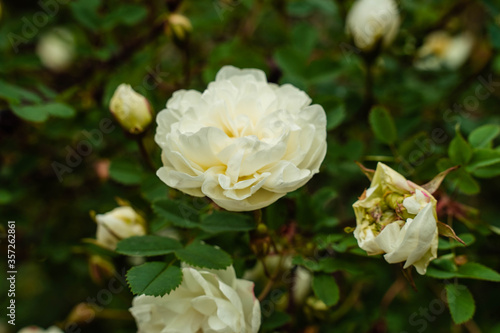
(243, 142)
(206, 301)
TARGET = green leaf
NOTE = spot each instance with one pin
(14, 94)
(40, 113)
(125, 172)
(335, 117)
(483, 157)
(326, 289)
(36, 113)
(85, 12)
(473, 270)
(466, 183)
(483, 136)
(148, 246)
(225, 221)
(154, 278)
(275, 320)
(177, 212)
(383, 125)
(460, 151)
(304, 38)
(437, 273)
(203, 255)
(447, 245)
(487, 171)
(460, 302)
(60, 110)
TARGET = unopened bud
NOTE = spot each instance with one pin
(178, 27)
(81, 314)
(131, 109)
(100, 269)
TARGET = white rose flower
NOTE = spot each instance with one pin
(130, 109)
(56, 49)
(397, 217)
(118, 224)
(206, 301)
(371, 21)
(441, 50)
(243, 142)
(36, 329)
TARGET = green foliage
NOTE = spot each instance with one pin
(147, 246)
(460, 302)
(326, 289)
(204, 255)
(154, 278)
(383, 125)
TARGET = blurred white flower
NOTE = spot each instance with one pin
(443, 51)
(118, 224)
(243, 142)
(130, 109)
(397, 217)
(36, 329)
(372, 21)
(56, 49)
(206, 301)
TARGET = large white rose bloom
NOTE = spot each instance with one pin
(397, 217)
(209, 301)
(371, 21)
(36, 329)
(243, 142)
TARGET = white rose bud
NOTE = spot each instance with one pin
(178, 26)
(130, 109)
(371, 22)
(397, 217)
(56, 49)
(206, 301)
(36, 329)
(443, 51)
(118, 224)
(243, 142)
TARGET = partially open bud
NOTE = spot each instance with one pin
(373, 22)
(131, 109)
(56, 49)
(397, 217)
(118, 224)
(443, 51)
(178, 27)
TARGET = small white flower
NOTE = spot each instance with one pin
(372, 21)
(397, 217)
(243, 142)
(36, 329)
(118, 224)
(443, 51)
(206, 301)
(56, 49)
(130, 109)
